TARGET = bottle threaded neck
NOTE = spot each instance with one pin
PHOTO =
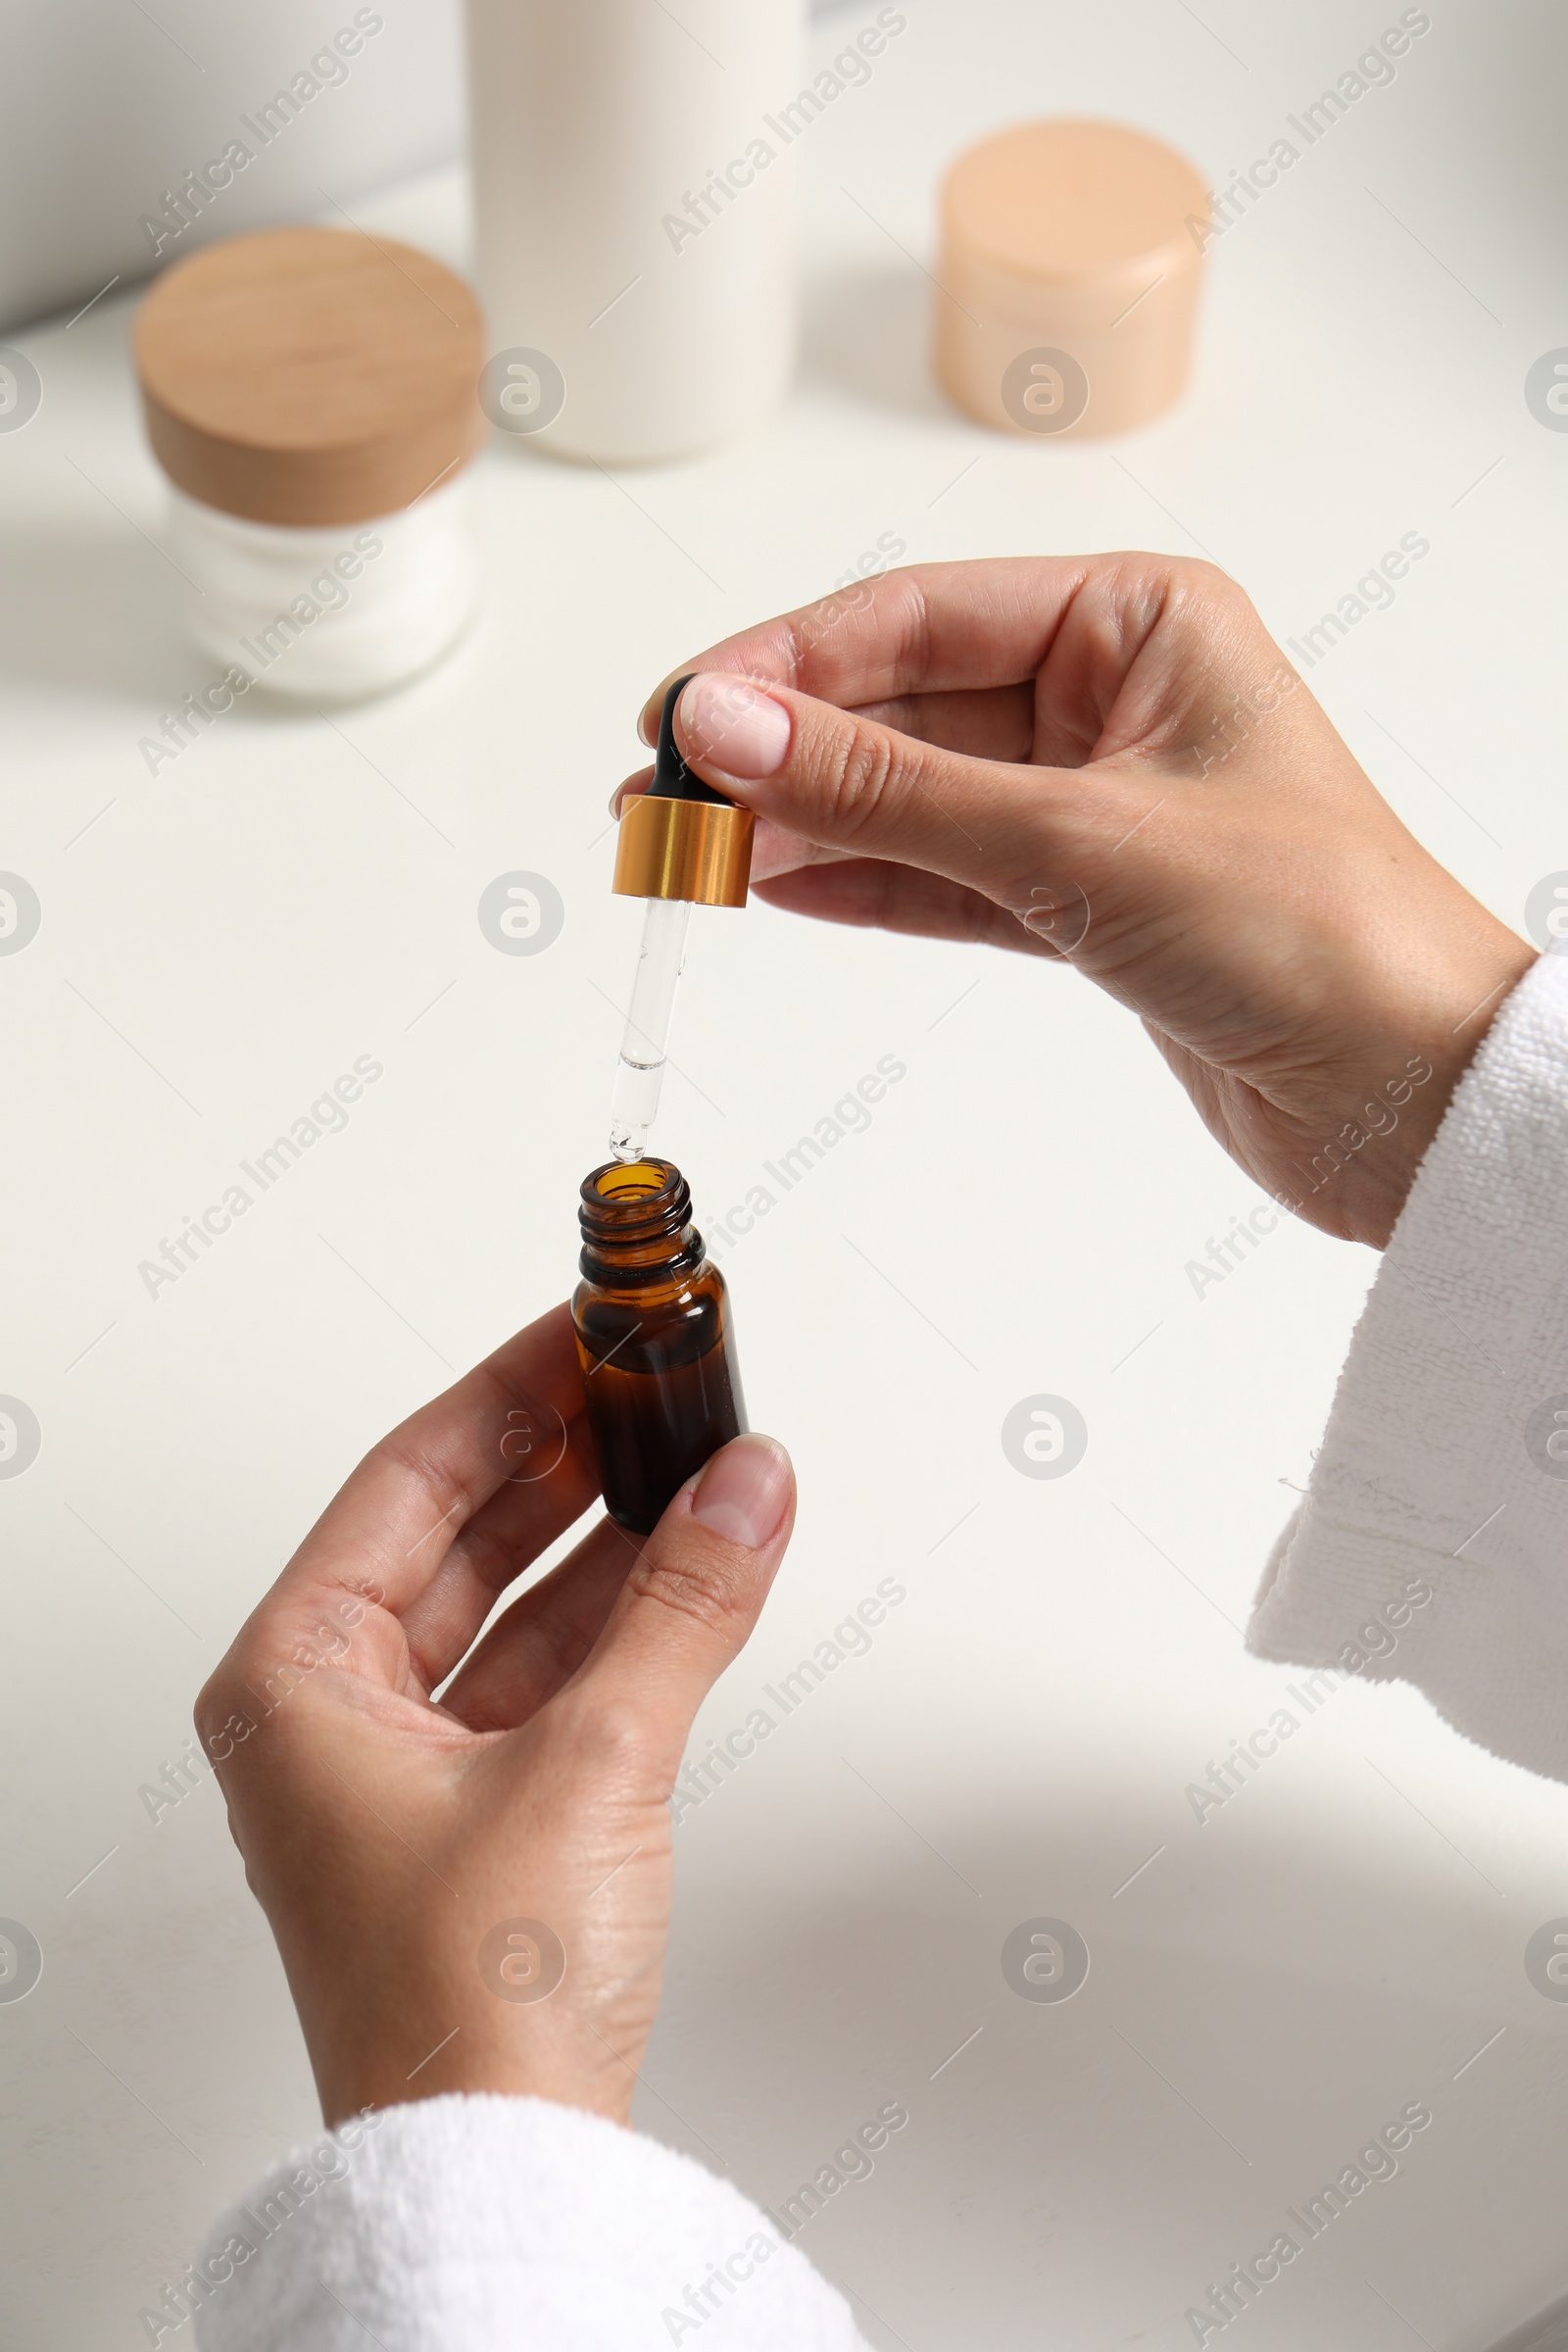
(636, 1222)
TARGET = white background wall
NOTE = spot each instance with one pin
(102, 109)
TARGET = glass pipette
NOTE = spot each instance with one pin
(640, 1071)
(681, 844)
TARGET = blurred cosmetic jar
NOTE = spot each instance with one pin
(311, 395)
(1067, 290)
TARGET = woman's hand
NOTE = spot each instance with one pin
(1106, 758)
(472, 1892)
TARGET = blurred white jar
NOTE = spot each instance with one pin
(332, 614)
(312, 396)
(635, 216)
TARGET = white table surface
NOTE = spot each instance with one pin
(221, 942)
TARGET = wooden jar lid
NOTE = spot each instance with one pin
(310, 375)
(1070, 276)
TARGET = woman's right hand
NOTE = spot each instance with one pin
(1106, 758)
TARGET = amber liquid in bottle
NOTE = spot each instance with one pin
(655, 1338)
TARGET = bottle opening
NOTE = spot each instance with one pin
(639, 1208)
(633, 1180)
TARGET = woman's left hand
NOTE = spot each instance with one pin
(472, 1892)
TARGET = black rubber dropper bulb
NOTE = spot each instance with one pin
(672, 778)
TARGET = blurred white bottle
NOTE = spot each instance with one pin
(633, 218)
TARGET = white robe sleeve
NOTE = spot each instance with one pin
(483, 2223)
(1433, 1544)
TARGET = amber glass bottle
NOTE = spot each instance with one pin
(654, 1336)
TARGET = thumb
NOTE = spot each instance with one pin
(849, 784)
(690, 1602)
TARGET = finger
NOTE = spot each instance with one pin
(997, 723)
(930, 628)
(1118, 646)
(634, 784)
(544, 1637)
(846, 783)
(691, 1600)
(774, 851)
(871, 892)
(502, 1540)
(393, 1525)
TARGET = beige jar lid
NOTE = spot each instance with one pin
(1069, 277)
(310, 375)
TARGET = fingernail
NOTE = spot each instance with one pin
(745, 1490)
(731, 725)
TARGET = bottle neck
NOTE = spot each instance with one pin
(636, 1225)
